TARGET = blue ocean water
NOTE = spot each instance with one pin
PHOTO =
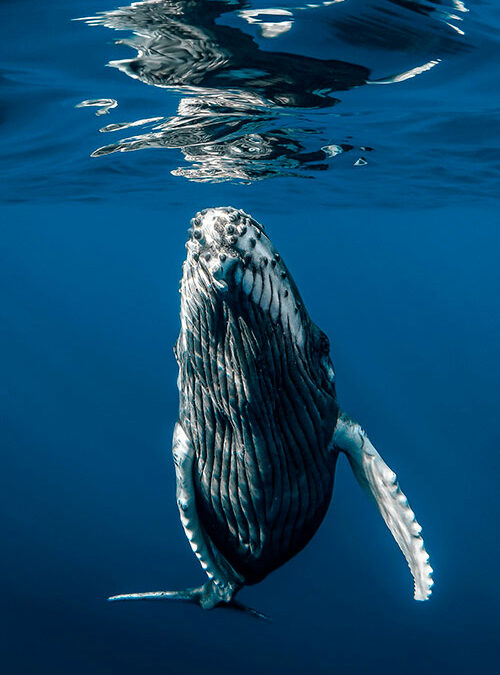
(364, 135)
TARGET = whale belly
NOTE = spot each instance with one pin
(263, 484)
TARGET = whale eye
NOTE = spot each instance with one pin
(323, 344)
(325, 364)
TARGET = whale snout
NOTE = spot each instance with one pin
(222, 237)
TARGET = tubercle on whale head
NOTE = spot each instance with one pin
(223, 236)
(228, 252)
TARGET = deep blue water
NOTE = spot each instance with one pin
(382, 198)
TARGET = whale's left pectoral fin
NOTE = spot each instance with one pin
(381, 484)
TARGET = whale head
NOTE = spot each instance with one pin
(230, 259)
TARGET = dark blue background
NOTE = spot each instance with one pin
(404, 279)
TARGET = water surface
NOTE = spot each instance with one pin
(365, 136)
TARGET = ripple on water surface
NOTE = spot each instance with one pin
(248, 110)
(359, 94)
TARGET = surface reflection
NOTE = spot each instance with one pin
(241, 118)
(226, 137)
(179, 43)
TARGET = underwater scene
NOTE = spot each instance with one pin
(271, 232)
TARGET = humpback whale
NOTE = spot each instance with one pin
(260, 429)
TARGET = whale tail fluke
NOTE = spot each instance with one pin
(205, 596)
(380, 482)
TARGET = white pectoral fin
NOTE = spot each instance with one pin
(218, 570)
(223, 583)
(381, 484)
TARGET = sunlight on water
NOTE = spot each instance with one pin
(104, 105)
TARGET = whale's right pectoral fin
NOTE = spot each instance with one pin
(218, 570)
(380, 482)
(223, 583)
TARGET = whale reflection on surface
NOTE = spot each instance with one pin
(236, 137)
(179, 43)
(251, 111)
